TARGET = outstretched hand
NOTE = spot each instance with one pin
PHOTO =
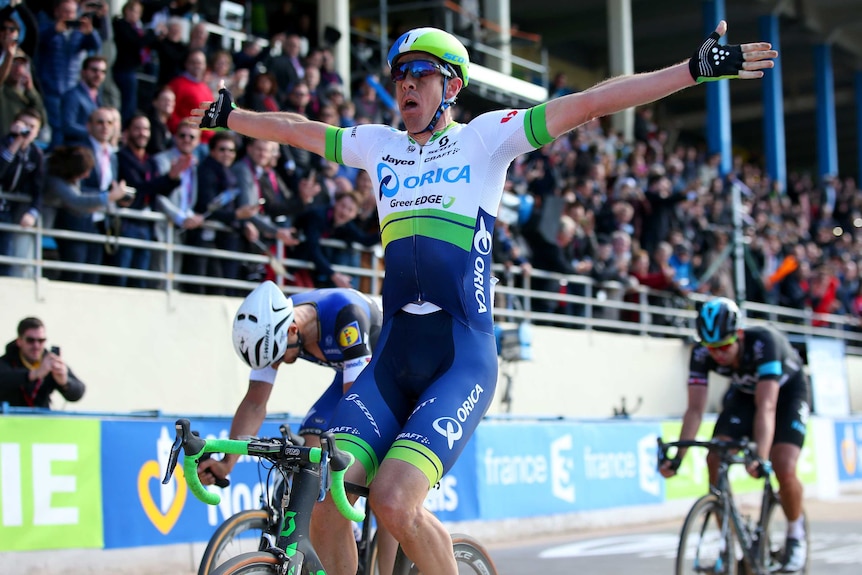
(714, 61)
(213, 115)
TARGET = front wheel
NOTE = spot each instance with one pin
(240, 533)
(702, 547)
(470, 556)
(256, 563)
(775, 534)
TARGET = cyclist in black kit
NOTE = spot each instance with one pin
(767, 401)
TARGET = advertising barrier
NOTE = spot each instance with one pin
(90, 483)
(848, 444)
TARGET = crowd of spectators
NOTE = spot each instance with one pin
(654, 211)
(658, 214)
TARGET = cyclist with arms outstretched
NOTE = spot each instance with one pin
(767, 402)
(439, 183)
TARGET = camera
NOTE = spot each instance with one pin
(71, 24)
(55, 349)
(22, 133)
(130, 193)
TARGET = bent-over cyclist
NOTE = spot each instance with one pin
(335, 327)
(767, 401)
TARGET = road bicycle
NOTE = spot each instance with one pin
(716, 538)
(307, 473)
(257, 529)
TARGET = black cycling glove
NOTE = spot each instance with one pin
(713, 61)
(216, 116)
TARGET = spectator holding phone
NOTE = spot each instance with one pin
(30, 373)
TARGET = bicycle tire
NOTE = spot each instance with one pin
(470, 555)
(700, 543)
(370, 566)
(774, 533)
(254, 563)
(220, 547)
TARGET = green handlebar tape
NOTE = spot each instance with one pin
(190, 466)
(339, 496)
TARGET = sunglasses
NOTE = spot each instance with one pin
(32, 340)
(418, 69)
(223, 149)
(722, 345)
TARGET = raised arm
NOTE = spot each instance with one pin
(711, 61)
(282, 127)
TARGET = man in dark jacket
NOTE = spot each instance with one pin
(21, 173)
(29, 373)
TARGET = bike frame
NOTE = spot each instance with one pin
(296, 523)
(750, 537)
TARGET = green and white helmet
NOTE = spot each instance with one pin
(436, 42)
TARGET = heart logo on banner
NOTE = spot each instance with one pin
(164, 522)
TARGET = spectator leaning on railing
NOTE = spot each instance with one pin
(29, 373)
(69, 207)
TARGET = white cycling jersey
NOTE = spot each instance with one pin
(437, 204)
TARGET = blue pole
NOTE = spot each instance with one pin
(718, 138)
(774, 144)
(827, 140)
(857, 81)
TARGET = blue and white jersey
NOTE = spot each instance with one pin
(437, 205)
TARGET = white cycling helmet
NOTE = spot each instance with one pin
(260, 326)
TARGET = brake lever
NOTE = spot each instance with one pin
(324, 466)
(174, 456)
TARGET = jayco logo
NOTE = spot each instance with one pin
(389, 159)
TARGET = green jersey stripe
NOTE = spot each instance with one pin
(419, 456)
(332, 150)
(432, 227)
(536, 126)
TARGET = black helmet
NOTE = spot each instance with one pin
(717, 321)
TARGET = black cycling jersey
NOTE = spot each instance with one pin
(766, 353)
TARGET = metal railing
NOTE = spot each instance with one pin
(609, 306)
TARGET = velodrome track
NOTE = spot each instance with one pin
(645, 549)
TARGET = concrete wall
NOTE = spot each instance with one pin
(147, 350)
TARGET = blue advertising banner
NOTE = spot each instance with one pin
(544, 469)
(848, 436)
(139, 510)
